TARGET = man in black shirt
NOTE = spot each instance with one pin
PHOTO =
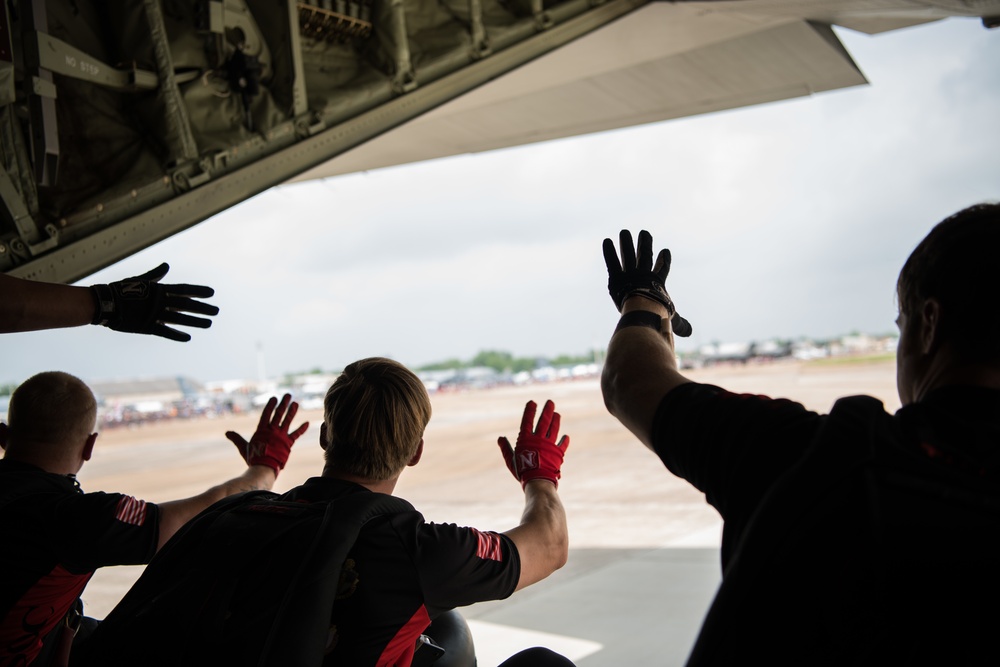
(55, 535)
(400, 573)
(856, 537)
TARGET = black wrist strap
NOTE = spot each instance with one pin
(653, 293)
(639, 318)
(104, 303)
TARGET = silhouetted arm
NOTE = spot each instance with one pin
(265, 454)
(29, 305)
(140, 304)
(176, 513)
(641, 365)
(639, 370)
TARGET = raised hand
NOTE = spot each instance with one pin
(272, 443)
(142, 305)
(637, 275)
(536, 454)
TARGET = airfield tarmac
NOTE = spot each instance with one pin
(644, 560)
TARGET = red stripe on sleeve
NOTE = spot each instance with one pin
(489, 547)
(131, 511)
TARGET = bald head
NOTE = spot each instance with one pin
(50, 411)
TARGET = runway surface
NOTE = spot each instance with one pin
(644, 558)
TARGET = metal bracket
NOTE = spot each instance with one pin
(41, 97)
(480, 40)
(307, 124)
(26, 250)
(543, 21)
(189, 177)
(15, 209)
(404, 81)
(51, 242)
(57, 56)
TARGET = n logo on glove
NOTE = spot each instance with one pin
(539, 451)
(143, 305)
(527, 460)
(132, 288)
(272, 441)
(256, 448)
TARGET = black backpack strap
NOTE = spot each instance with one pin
(250, 581)
(302, 620)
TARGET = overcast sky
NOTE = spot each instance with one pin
(784, 220)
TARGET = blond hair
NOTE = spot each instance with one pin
(375, 414)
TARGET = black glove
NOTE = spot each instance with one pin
(143, 305)
(638, 276)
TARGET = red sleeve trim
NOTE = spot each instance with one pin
(489, 547)
(131, 511)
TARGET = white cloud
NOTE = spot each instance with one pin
(785, 219)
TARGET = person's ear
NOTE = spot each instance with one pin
(323, 444)
(930, 326)
(3, 436)
(416, 457)
(88, 447)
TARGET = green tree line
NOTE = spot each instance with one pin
(501, 362)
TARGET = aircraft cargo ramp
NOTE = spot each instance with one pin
(122, 124)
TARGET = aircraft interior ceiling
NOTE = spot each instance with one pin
(124, 123)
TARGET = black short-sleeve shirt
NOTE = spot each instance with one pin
(731, 447)
(402, 573)
(54, 537)
(846, 535)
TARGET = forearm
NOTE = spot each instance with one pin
(542, 538)
(254, 478)
(639, 370)
(174, 514)
(27, 305)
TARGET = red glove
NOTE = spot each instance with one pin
(536, 456)
(271, 443)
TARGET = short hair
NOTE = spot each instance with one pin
(956, 265)
(50, 408)
(375, 414)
